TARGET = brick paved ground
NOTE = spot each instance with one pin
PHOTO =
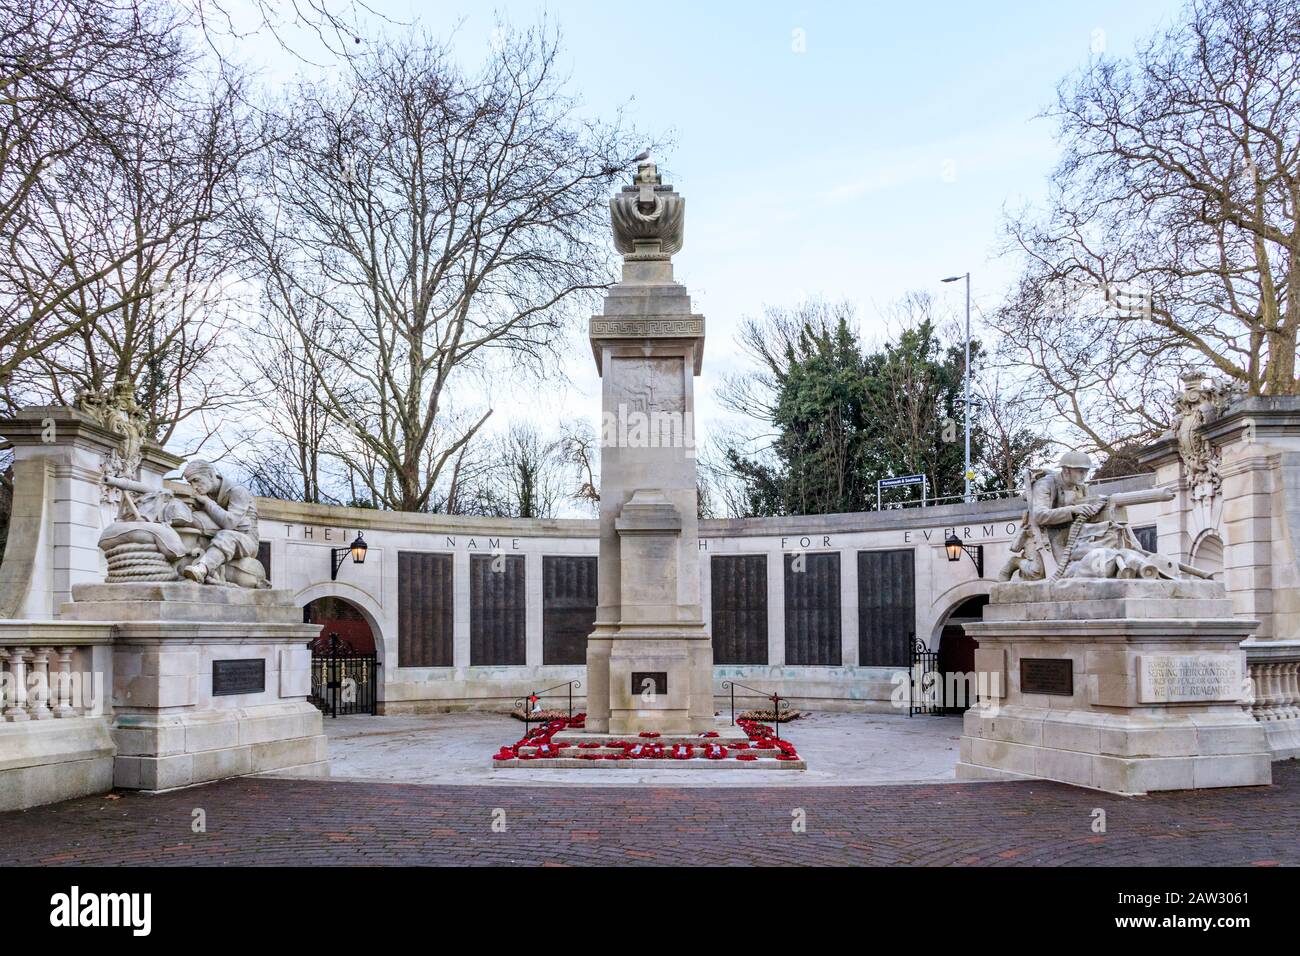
(277, 822)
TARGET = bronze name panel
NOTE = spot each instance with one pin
(1047, 675)
(645, 680)
(739, 608)
(243, 676)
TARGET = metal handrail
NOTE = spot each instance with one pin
(523, 702)
(779, 703)
(996, 495)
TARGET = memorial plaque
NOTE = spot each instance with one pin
(1182, 678)
(739, 608)
(886, 608)
(244, 676)
(568, 607)
(644, 680)
(424, 609)
(812, 610)
(497, 610)
(1047, 675)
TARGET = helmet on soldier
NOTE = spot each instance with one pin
(1076, 459)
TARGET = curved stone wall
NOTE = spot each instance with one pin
(300, 538)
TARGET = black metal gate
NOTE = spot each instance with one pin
(342, 680)
(926, 682)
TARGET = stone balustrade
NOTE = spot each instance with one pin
(50, 670)
(1276, 690)
(1274, 701)
(37, 683)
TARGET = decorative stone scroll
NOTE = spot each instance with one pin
(1201, 402)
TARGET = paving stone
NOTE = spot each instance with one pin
(263, 821)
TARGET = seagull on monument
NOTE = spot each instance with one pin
(643, 155)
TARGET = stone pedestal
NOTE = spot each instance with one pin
(1237, 512)
(649, 659)
(208, 682)
(1126, 686)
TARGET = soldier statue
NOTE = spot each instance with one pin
(1086, 535)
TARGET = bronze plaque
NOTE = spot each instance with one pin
(644, 680)
(1047, 675)
(245, 676)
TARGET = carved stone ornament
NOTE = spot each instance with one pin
(1201, 402)
(648, 217)
(115, 410)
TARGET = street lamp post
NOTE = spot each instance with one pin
(966, 473)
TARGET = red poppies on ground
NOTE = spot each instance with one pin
(539, 740)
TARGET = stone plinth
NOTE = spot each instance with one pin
(1125, 686)
(208, 682)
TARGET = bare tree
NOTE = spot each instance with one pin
(1016, 435)
(76, 80)
(581, 450)
(160, 312)
(1172, 237)
(285, 447)
(448, 217)
(525, 476)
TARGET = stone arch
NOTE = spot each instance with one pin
(1207, 553)
(950, 601)
(355, 596)
(955, 660)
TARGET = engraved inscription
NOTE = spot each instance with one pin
(1178, 678)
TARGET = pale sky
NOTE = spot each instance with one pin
(876, 161)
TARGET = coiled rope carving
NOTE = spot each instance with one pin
(138, 562)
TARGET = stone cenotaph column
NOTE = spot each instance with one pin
(649, 659)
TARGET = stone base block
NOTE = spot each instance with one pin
(167, 751)
(1283, 738)
(178, 602)
(660, 681)
(1118, 753)
(51, 760)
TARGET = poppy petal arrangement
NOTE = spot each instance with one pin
(539, 745)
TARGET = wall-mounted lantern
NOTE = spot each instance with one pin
(954, 546)
(338, 555)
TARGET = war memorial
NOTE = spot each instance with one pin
(1131, 637)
